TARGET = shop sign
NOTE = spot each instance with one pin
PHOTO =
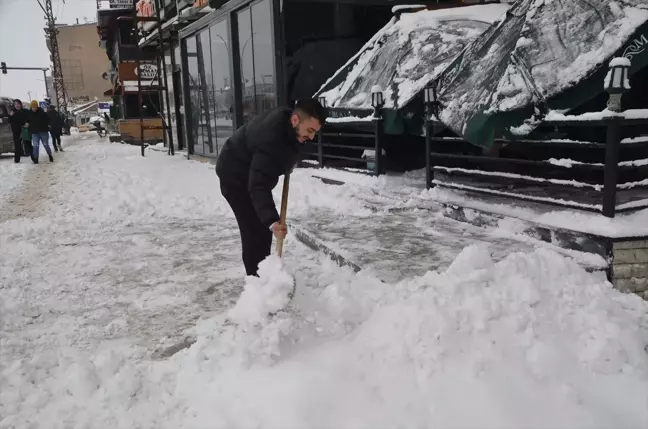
(146, 71)
(120, 4)
(129, 71)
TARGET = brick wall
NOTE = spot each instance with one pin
(630, 266)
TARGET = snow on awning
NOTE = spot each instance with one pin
(406, 54)
(543, 53)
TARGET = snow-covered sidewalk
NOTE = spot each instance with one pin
(118, 255)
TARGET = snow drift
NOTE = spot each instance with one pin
(532, 341)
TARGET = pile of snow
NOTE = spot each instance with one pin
(531, 341)
(263, 295)
(633, 224)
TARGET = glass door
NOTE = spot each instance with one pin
(194, 104)
(205, 118)
(221, 98)
(257, 59)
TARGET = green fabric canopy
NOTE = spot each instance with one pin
(406, 54)
(553, 52)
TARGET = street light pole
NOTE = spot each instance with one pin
(45, 79)
(43, 69)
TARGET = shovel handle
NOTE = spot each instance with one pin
(284, 209)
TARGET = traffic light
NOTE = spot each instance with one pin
(3, 66)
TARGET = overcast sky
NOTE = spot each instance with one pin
(22, 41)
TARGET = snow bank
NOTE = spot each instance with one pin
(12, 176)
(623, 225)
(263, 295)
(532, 341)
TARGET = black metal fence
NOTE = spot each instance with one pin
(585, 185)
(330, 137)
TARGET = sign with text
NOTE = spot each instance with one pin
(129, 71)
(121, 4)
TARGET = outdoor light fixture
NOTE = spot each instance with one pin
(430, 94)
(617, 82)
(431, 100)
(377, 100)
(322, 101)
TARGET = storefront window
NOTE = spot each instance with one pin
(264, 58)
(221, 97)
(246, 54)
(205, 71)
(193, 129)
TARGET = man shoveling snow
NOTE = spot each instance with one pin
(249, 168)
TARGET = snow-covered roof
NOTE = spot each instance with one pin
(406, 54)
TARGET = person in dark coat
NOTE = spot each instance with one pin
(56, 127)
(39, 124)
(17, 119)
(249, 167)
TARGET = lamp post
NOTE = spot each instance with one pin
(377, 102)
(616, 84)
(320, 143)
(431, 108)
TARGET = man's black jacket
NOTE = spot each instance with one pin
(38, 121)
(17, 120)
(256, 155)
(56, 121)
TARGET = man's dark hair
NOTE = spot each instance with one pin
(312, 108)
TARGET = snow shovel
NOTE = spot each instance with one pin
(282, 219)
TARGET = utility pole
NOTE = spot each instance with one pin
(57, 74)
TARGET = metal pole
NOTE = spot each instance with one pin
(320, 149)
(176, 94)
(378, 140)
(167, 126)
(428, 148)
(45, 79)
(611, 168)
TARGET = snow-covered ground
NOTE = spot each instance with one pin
(108, 256)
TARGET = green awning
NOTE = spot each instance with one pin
(545, 52)
(406, 54)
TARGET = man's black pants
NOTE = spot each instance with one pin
(256, 238)
(56, 140)
(18, 147)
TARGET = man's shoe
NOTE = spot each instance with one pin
(51, 158)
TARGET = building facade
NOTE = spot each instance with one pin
(225, 61)
(83, 63)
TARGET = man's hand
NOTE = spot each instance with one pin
(279, 229)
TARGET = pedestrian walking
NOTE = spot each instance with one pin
(38, 123)
(17, 119)
(56, 127)
(249, 167)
